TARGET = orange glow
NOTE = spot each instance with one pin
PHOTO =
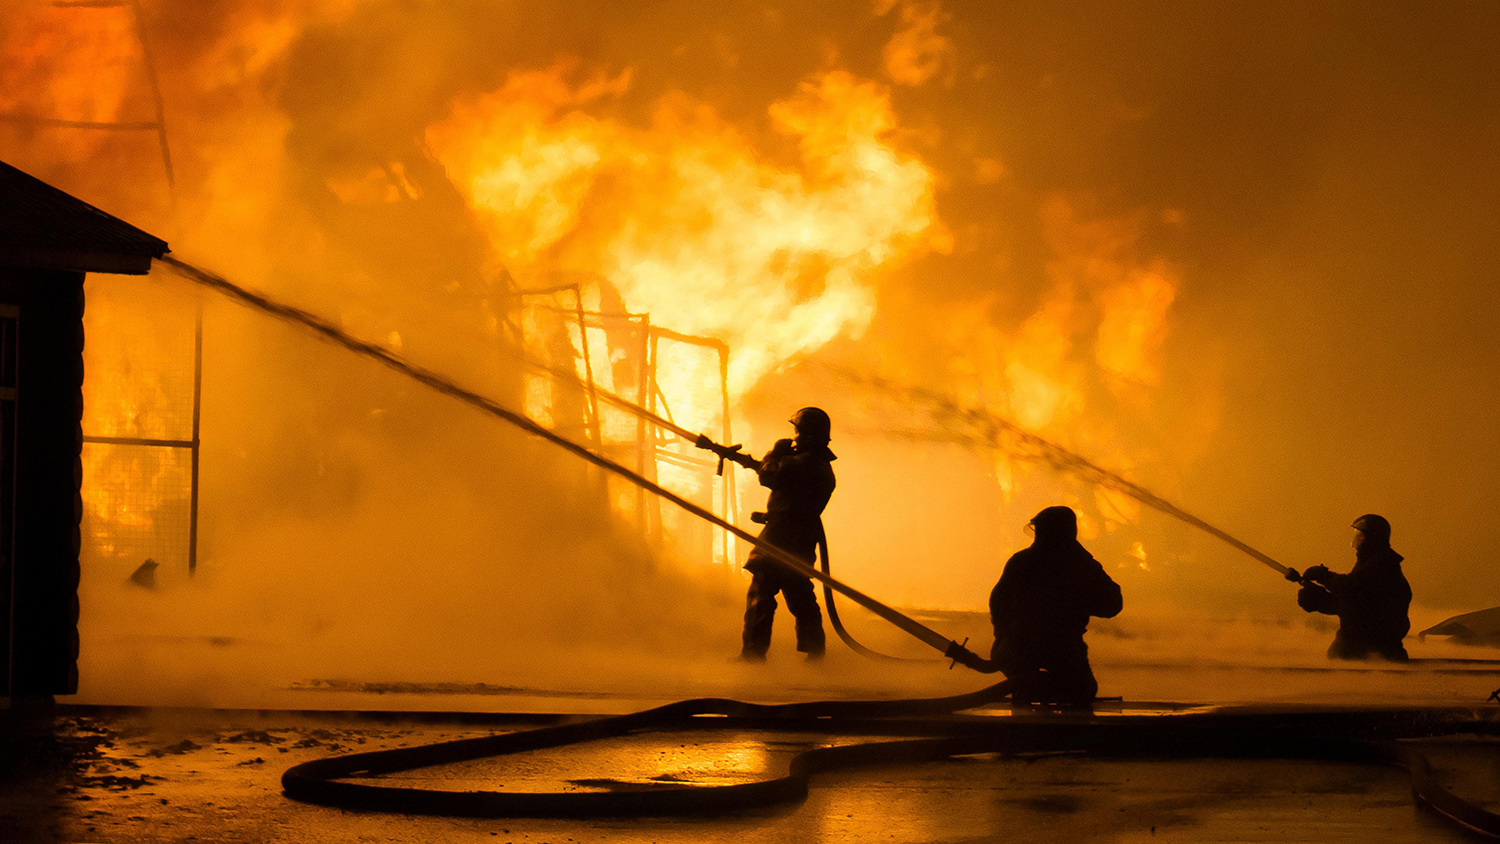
(685, 221)
(76, 65)
(916, 52)
(686, 218)
(139, 385)
(1101, 320)
(1246, 278)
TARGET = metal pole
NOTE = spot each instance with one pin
(644, 390)
(731, 498)
(197, 414)
(652, 344)
(588, 366)
(161, 112)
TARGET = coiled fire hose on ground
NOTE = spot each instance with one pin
(1363, 738)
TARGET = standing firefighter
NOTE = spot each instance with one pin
(1371, 601)
(1040, 610)
(800, 476)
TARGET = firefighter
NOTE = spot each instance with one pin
(1040, 610)
(799, 474)
(1371, 601)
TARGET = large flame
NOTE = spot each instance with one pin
(686, 218)
(769, 236)
(1089, 350)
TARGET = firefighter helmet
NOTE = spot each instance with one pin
(1374, 527)
(813, 425)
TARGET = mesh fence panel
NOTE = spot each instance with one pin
(138, 384)
(138, 361)
(136, 505)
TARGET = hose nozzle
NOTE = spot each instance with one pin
(725, 452)
(959, 652)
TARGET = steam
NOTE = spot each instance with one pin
(975, 427)
(1223, 267)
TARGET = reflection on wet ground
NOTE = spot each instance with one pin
(143, 776)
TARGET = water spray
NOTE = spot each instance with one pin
(325, 780)
(991, 427)
(388, 358)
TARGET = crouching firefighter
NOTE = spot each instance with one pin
(1040, 610)
(799, 474)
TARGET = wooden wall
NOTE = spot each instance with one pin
(42, 580)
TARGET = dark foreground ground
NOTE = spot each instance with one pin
(140, 776)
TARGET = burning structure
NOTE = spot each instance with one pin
(1234, 255)
(48, 242)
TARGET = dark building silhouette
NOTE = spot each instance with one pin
(48, 241)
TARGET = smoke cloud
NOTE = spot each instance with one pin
(1239, 256)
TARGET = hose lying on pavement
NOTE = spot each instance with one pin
(320, 781)
(942, 733)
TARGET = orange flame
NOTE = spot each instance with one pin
(70, 64)
(1102, 320)
(686, 218)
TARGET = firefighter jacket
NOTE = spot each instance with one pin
(1371, 602)
(801, 482)
(1042, 605)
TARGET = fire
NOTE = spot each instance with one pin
(768, 235)
(138, 386)
(683, 224)
(686, 218)
(1089, 349)
(72, 64)
(916, 52)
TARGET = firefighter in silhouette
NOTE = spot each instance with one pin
(799, 474)
(1040, 610)
(1371, 601)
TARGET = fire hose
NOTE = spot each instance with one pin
(942, 734)
(332, 333)
(1339, 737)
(838, 623)
(733, 453)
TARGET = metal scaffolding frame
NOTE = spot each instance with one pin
(649, 444)
(592, 423)
(727, 479)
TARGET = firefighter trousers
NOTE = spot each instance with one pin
(760, 612)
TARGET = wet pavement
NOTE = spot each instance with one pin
(164, 775)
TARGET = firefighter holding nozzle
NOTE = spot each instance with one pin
(1040, 610)
(799, 473)
(1371, 601)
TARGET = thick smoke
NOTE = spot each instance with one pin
(1238, 256)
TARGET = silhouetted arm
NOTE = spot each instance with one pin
(968, 659)
(1323, 577)
(1106, 601)
(780, 466)
(1314, 598)
(1004, 599)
